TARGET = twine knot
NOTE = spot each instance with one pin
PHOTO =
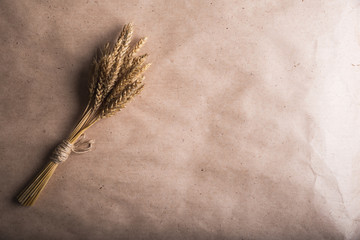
(62, 151)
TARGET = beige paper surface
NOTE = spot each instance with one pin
(248, 127)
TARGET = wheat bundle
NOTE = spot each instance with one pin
(117, 76)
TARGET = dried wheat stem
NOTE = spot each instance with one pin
(29, 195)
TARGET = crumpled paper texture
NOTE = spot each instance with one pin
(248, 128)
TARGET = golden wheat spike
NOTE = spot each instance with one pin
(116, 57)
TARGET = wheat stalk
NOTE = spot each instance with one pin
(116, 78)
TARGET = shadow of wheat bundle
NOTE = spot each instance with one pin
(117, 76)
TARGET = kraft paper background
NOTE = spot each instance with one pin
(248, 128)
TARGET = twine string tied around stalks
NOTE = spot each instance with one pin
(63, 150)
